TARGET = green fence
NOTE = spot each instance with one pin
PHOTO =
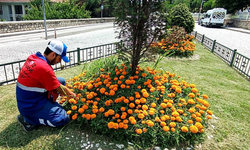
(9, 71)
(230, 56)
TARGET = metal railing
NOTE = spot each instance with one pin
(230, 56)
(10, 71)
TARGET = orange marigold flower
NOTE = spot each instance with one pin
(209, 117)
(144, 75)
(151, 112)
(205, 96)
(74, 107)
(165, 128)
(144, 130)
(175, 114)
(193, 129)
(153, 105)
(163, 124)
(102, 90)
(198, 125)
(163, 105)
(184, 129)
(194, 90)
(144, 107)
(143, 100)
(95, 110)
(145, 94)
(111, 112)
(80, 110)
(150, 123)
(101, 109)
(209, 112)
(74, 117)
(123, 108)
(173, 129)
(172, 124)
(111, 125)
(192, 95)
(131, 105)
(141, 116)
(130, 111)
(133, 121)
(191, 110)
(93, 116)
(190, 121)
(123, 86)
(205, 103)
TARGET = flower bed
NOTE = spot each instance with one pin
(151, 108)
(177, 43)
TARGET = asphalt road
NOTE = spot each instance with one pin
(19, 47)
(229, 37)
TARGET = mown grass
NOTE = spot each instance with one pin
(228, 91)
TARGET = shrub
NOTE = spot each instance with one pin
(182, 17)
(151, 108)
(177, 43)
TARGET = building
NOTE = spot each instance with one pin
(13, 10)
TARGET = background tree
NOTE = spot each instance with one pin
(182, 17)
(65, 10)
(232, 5)
(141, 22)
(95, 7)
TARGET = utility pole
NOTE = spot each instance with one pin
(200, 11)
(101, 8)
(44, 18)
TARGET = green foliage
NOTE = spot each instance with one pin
(63, 10)
(232, 5)
(141, 23)
(94, 6)
(182, 17)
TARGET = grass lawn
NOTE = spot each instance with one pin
(228, 93)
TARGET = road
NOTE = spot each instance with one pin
(19, 47)
(229, 38)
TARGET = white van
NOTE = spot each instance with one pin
(214, 17)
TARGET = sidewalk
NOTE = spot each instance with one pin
(238, 29)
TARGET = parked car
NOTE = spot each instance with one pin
(214, 17)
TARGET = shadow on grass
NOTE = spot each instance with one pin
(68, 138)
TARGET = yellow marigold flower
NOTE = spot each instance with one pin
(192, 85)
(191, 110)
(193, 129)
(163, 105)
(153, 105)
(172, 124)
(184, 129)
(144, 107)
(175, 114)
(199, 125)
(69, 112)
(194, 90)
(150, 123)
(141, 116)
